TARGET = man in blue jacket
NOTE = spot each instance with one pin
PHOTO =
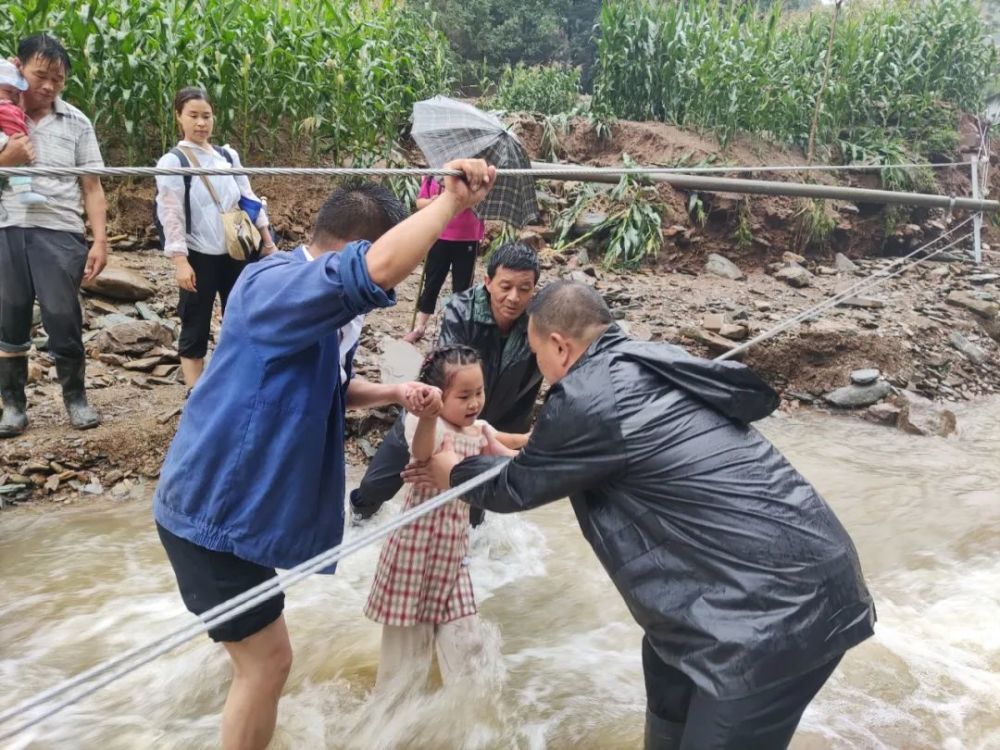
(254, 478)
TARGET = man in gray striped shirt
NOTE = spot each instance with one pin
(43, 251)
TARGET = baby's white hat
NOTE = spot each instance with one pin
(10, 76)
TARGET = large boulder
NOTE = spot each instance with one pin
(121, 284)
(134, 338)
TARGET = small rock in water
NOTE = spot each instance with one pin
(842, 263)
(856, 396)
(865, 377)
(972, 352)
(920, 416)
(883, 414)
(806, 398)
(94, 488)
(721, 266)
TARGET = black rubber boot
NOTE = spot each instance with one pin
(71, 378)
(13, 379)
(662, 734)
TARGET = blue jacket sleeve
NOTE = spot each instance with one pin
(290, 305)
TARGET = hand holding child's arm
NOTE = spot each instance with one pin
(436, 472)
(421, 400)
(499, 443)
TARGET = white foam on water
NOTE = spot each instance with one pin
(930, 677)
(564, 665)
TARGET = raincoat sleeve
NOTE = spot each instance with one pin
(576, 444)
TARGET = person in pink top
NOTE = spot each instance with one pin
(455, 250)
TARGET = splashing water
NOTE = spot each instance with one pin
(562, 666)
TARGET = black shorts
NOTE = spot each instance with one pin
(208, 578)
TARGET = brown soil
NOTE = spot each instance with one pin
(817, 363)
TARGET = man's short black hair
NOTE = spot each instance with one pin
(515, 256)
(358, 211)
(570, 308)
(45, 47)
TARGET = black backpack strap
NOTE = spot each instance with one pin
(224, 153)
(184, 163)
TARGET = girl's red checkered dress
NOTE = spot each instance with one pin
(423, 573)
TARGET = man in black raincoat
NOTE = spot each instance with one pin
(489, 317)
(746, 585)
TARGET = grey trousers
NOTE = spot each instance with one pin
(49, 265)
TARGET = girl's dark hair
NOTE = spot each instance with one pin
(190, 94)
(434, 370)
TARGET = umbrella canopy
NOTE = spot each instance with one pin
(445, 129)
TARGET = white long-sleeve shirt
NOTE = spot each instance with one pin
(207, 235)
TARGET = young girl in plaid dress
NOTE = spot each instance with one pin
(422, 593)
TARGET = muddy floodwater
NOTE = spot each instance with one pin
(564, 670)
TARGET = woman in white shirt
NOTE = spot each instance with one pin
(193, 234)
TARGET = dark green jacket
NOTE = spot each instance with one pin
(511, 374)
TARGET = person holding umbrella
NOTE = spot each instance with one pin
(455, 250)
(446, 129)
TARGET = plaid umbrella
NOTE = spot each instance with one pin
(446, 129)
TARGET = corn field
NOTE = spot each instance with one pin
(340, 78)
(901, 71)
(543, 89)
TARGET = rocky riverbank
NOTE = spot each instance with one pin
(898, 354)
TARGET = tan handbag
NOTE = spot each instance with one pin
(242, 237)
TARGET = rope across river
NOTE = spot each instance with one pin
(51, 701)
(679, 177)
